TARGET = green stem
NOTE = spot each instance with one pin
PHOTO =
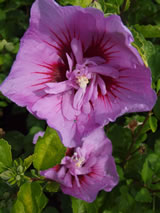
(123, 7)
(134, 138)
(158, 181)
(154, 203)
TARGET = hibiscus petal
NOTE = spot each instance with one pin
(70, 62)
(111, 178)
(77, 50)
(85, 192)
(49, 173)
(61, 173)
(78, 98)
(121, 39)
(56, 88)
(37, 135)
(25, 89)
(97, 143)
(130, 93)
(67, 106)
(105, 70)
(95, 60)
(89, 90)
(86, 108)
(53, 112)
(68, 180)
(102, 85)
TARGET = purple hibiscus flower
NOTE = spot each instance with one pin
(86, 170)
(78, 70)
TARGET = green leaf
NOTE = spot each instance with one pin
(112, 8)
(154, 63)
(127, 5)
(148, 31)
(6, 175)
(125, 200)
(15, 139)
(2, 44)
(157, 146)
(3, 104)
(48, 150)
(156, 108)
(30, 199)
(5, 155)
(33, 122)
(80, 206)
(143, 196)
(96, 5)
(120, 173)
(158, 85)
(121, 139)
(2, 15)
(146, 172)
(18, 207)
(154, 162)
(34, 130)
(153, 123)
(81, 3)
(28, 161)
(50, 210)
(52, 186)
(145, 48)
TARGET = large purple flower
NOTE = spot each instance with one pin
(78, 70)
(86, 170)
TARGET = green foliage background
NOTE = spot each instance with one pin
(135, 137)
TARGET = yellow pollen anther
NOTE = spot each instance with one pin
(82, 81)
(80, 162)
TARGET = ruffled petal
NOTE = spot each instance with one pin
(105, 70)
(130, 93)
(77, 50)
(101, 85)
(55, 119)
(49, 173)
(78, 98)
(119, 45)
(86, 191)
(56, 88)
(37, 135)
(67, 106)
(97, 143)
(112, 178)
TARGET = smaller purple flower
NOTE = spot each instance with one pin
(37, 135)
(86, 170)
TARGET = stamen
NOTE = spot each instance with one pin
(82, 81)
(78, 160)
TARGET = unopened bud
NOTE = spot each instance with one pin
(18, 177)
(20, 169)
(132, 125)
(6, 175)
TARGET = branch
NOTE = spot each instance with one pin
(134, 138)
(149, 189)
(123, 7)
